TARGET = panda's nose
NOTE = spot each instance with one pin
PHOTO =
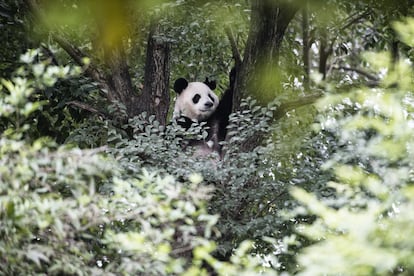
(208, 104)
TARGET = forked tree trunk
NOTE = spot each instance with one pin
(155, 97)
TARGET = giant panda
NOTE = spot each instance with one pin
(195, 103)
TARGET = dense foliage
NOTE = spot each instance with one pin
(85, 189)
(72, 211)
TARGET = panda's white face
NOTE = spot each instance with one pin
(196, 102)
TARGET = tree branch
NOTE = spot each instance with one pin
(234, 49)
(75, 53)
(46, 50)
(288, 106)
(327, 50)
(87, 107)
(359, 71)
(354, 18)
(117, 84)
(261, 210)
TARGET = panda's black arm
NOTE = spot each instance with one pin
(226, 103)
(220, 118)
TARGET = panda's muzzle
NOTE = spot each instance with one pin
(208, 104)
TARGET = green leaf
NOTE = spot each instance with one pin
(37, 257)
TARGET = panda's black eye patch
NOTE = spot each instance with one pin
(196, 98)
(211, 98)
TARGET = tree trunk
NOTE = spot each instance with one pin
(155, 97)
(269, 20)
(323, 56)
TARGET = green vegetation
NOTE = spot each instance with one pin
(316, 181)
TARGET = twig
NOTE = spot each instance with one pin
(260, 212)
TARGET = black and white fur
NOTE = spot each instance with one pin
(195, 103)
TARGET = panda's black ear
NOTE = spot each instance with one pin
(180, 84)
(210, 84)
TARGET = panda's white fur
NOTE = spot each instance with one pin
(196, 102)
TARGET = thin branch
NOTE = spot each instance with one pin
(350, 20)
(233, 45)
(346, 23)
(261, 210)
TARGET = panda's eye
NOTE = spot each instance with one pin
(211, 97)
(196, 98)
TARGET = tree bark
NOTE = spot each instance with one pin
(155, 95)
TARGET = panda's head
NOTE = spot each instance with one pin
(195, 100)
